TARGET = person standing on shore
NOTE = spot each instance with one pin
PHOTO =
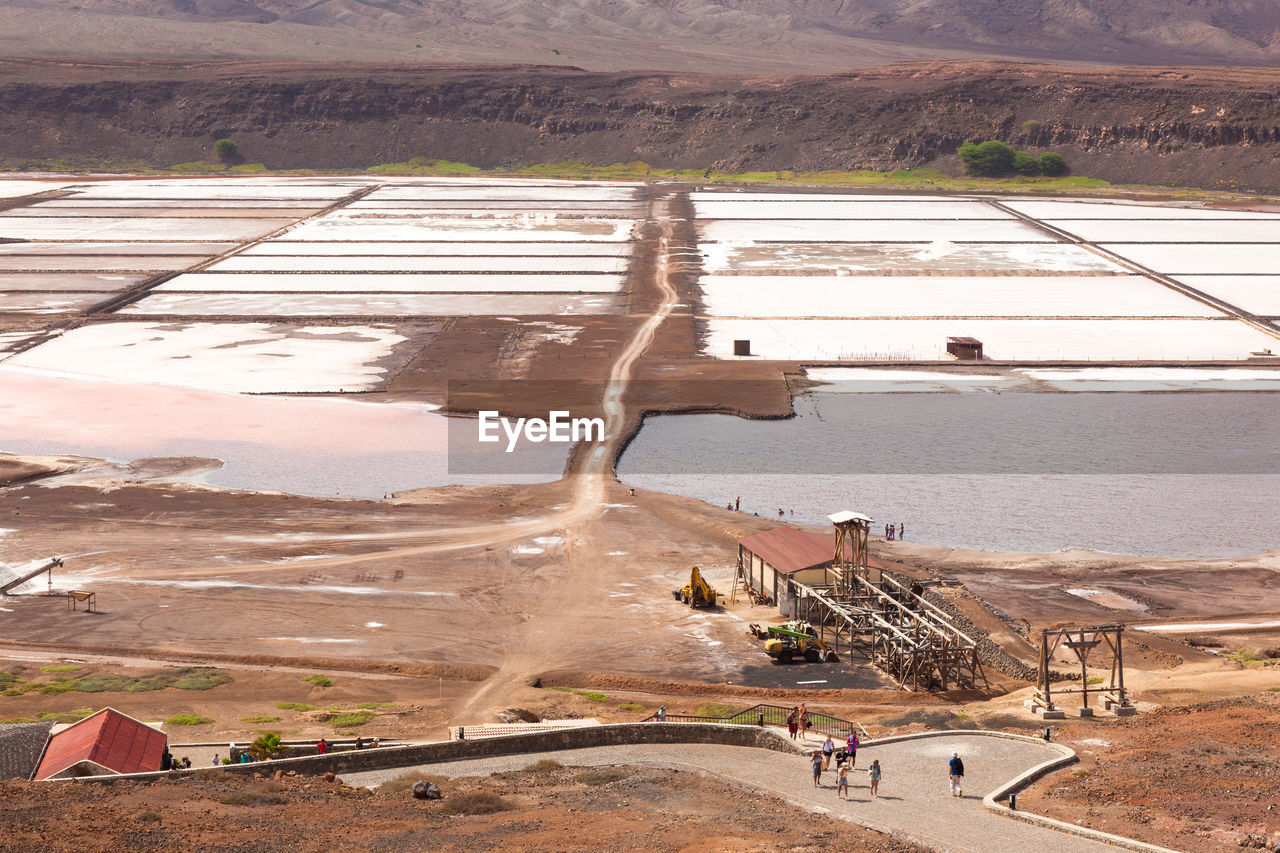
(873, 775)
(737, 504)
(955, 769)
(902, 530)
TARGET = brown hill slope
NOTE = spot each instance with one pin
(1185, 126)
(689, 35)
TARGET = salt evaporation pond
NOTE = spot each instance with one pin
(1183, 475)
(320, 447)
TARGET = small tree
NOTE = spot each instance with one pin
(987, 159)
(266, 746)
(1052, 164)
(1025, 164)
(225, 149)
(1030, 127)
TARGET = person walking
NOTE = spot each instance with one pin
(817, 767)
(662, 714)
(842, 782)
(804, 720)
(828, 747)
(793, 722)
(955, 769)
(873, 774)
(851, 745)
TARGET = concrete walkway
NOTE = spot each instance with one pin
(914, 800)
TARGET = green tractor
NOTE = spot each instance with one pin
(793, 640)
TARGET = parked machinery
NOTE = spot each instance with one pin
(791, 640)
(697, 592)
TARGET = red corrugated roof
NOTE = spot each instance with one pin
(790, 550)
(107, 738)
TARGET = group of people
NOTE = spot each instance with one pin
(735, 505)
(895, 531)
(168, 762)
(847, 760)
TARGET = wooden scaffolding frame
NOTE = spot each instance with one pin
(1082, 641)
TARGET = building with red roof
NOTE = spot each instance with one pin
(772, 560)
(102, 744)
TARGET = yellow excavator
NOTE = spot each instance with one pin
(697, 592)
(793, 640)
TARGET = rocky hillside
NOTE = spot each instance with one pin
(688, 35)
(1189, 127)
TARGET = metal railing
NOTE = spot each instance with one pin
(771, 715)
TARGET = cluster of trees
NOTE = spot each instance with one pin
(992, 159)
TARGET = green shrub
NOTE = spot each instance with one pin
(714, 709)
(369, 706)
(190, 678)
(1030, 127)
(225, 149)
(260, 719)
(61, 667)
(319, 680)
(986, 159)
(1025, 164)
(1052, 164)
(632, 706)
(295, 706)
(188, 720)
(351, 719)
(56, 688)
(65, 716)
(266, 746)
(589, 695)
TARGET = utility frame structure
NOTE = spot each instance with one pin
(1082, 641)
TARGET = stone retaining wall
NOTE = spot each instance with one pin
(382, 758)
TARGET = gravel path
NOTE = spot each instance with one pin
(914, 799)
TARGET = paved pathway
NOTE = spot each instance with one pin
(914, 799)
